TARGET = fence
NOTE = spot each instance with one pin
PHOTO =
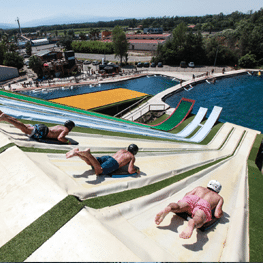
(144, 109)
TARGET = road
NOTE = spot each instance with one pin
(133, 56)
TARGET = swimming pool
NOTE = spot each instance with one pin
(241, 98)
(151, 85)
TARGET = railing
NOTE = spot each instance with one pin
(146, 109)
(128, 108)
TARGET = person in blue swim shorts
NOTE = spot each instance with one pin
(107, 164)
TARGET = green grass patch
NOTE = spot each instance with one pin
(255, 181)
(183, 125)
(3, 148)
(32, 237)
(40, 150)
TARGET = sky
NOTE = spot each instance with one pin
(30, 10)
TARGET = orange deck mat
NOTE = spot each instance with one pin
(98, 99)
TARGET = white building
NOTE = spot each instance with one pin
(39, 42)
(147, 42)
(8, 73)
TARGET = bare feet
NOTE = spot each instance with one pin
(161, 215)
(1, 115)
(188, 231)
(72, 153)
(84, 153)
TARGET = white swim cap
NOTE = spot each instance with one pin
(215, 185)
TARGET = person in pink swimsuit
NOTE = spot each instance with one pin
(198, 203)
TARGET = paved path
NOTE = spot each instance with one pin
(131, 58)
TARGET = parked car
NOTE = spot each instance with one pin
(160, 65)
(86, 62)
(191, 64)
(95, 62)
(146, 64)
(139, 65)
(153, 65)
(183, 64)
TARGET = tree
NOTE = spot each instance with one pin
(208, 27)
(94, 33)
(36, 64)
(179, 35)
(120, 43)
(12, 47)
(3, 50)
(12, 59)
(28, 48)
(71, 33)
(82, 36)
(66, 42)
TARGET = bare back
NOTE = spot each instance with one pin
(58, 132)
(123, 157)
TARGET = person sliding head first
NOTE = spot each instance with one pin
(41, 131)
(107, 164)
(199, 204)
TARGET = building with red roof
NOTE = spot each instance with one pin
(145, 42)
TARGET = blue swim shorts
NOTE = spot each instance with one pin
(108, 164)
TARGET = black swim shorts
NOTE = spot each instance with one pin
(40, 132)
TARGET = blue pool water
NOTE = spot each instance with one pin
(150, 85)
(241, 98)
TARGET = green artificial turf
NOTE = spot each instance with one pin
(178, 116)
(183, 124)
(2, 149)
(28, 240)
(255, 182)
(32, 237)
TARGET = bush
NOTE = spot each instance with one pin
(248, 61)
(94, 47)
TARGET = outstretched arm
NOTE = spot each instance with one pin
(218, 209)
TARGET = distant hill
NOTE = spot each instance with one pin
(66, 19)
(7, 26)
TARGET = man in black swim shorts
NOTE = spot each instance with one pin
(41, 131)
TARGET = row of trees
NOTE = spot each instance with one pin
(241, 46)
(216, 22)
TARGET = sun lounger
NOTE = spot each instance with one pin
(203, 132)
(193, 124)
